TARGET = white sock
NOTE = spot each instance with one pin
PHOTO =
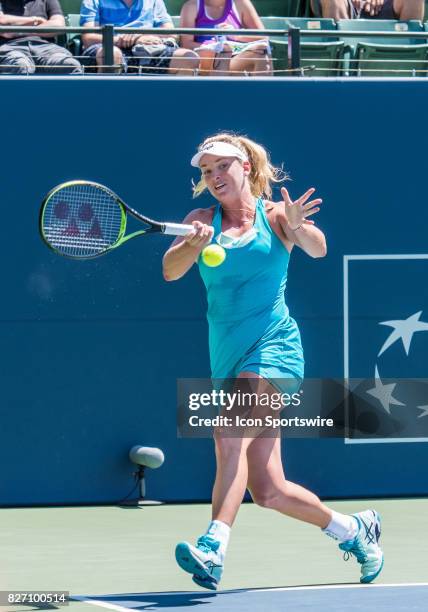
(342, 527)
(221, 532)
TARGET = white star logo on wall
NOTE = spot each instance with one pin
(424, 413)
(403, 330)
(383, 393)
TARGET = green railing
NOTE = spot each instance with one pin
(292, 35)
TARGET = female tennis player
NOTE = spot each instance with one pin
(253, 339)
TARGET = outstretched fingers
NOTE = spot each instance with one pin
(312, 207)
(286, 196)
(300, 201)
(305, 196)
(311, 212)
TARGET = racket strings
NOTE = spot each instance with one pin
(82, 220)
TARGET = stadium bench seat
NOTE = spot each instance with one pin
(318, 60)
(74, 43)
(380, 55)
(321, 53)
(313, 24)
(275, 23)
(380, 60)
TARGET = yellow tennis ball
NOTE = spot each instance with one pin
(213, 255)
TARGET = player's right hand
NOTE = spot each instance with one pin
(201, 235)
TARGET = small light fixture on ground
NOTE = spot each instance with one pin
(145, 457)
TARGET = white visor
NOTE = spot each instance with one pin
(220, 149)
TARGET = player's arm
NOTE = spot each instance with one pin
(188, 15)
(185, 250)
(296, 225)
(309, 238)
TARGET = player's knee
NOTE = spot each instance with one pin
(227, 448)
(266, 497)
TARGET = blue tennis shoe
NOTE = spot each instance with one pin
(365, 546)
(202, 560)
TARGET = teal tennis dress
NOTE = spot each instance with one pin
(250, 328)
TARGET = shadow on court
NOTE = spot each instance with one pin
(331, 598)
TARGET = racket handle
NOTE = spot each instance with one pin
(177, 229)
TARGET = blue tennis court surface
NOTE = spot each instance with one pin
(331, 598)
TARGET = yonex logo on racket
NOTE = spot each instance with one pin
(80, 222)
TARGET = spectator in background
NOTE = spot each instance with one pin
(369, 9)
(224, 53)
(26, 53)
(154, 54)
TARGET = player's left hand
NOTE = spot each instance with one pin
(297, 212)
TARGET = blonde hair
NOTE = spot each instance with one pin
(262, 172)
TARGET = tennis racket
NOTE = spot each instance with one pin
(82, 219)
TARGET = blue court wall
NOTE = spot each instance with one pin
(91, 350)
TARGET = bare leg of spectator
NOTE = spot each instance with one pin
(332, 9)
(221, 64)
(117, 59)
(409, 9)
(255, 60)
(15, 61)
(184, 63)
